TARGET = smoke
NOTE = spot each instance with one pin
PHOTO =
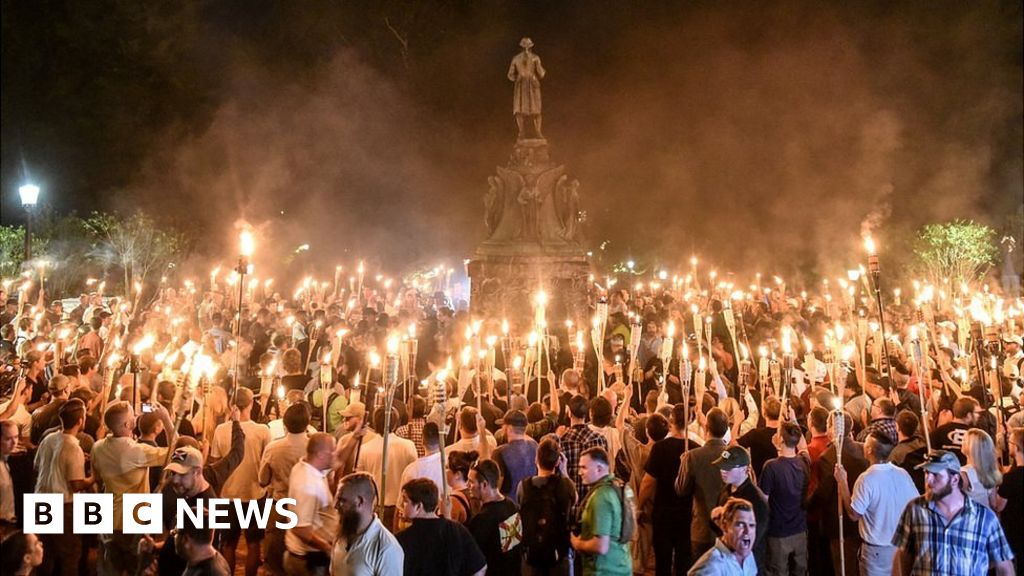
(768, 140)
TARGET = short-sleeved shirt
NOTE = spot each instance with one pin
(759, 443)
(215, 565)
(517, 460)
(785, 481)
(879, 496)
(278, 460)
(375, 552)
(123, 466)
(313, 506)
(967, 545)
(243, 482)
(485, 528)
(663, 466)
(59, 460)
(950, 436)
(439, 546)
(1012, 517)
(602, 516)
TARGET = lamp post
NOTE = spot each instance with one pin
(29, 196)
(246, 245)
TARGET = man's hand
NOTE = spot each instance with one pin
(840, 474)
(236, 414)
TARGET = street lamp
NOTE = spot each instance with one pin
(29, 196)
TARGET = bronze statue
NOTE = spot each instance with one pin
(527, 72)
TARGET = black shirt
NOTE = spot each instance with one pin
(169, 561)
(439, 547)
(759, 443)
(215, 565)
(749, 492)
(1012, 517)
(663, 466)
(295, 381)
(950, 436)
(484, 527)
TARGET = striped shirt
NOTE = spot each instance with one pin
(969, 544)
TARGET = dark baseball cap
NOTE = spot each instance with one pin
(733, 457)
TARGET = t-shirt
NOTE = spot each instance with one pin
(59, 460)
(950, 436)
(243, 482)
(879, 496)
(663, 466)
(1012, 517)
(759, 443)
(517, 460)
(484, 527)
(215, 565)
(122, 464)
(436, 546)
(785, 481)
(602, 516)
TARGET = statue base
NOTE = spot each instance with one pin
(504, 286)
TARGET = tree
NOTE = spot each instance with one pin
(135, 244)
(12, 250)
(960, 251)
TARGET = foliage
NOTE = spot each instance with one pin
(134, 244)
(12, 250)
(960, 251)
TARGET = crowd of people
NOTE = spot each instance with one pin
(668, 446)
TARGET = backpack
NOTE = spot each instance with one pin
(628, 501)
(545, 523)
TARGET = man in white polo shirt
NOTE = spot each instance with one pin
(879, 497)
(309, 543)
(365, 547)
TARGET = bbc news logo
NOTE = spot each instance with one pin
(144, 513)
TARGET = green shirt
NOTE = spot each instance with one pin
(602, 516)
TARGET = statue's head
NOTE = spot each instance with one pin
(526, 43)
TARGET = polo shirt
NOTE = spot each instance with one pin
(375, 552)
(602, 516)
(314, 506)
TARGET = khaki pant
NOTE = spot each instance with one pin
(876, 560)
(787, 555)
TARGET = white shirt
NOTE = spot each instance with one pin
(428, 467)
(720, 561)
(243, 482)
(375, 552)
(611, 435)
(59, 460)
(401, 453)
(879, 495)
(314, 506)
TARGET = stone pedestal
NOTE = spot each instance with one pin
(533, 222)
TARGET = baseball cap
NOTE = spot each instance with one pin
(1013, 339)
(733, 457)
(355, 409)
(184, 460)
(939, 460)
(514, 418)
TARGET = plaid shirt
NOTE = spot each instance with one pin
(575, 441)
(968, 545)
(886, 426)
(414, 431)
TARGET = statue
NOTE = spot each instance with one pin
(527, 73)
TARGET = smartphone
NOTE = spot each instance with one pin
(147, 408)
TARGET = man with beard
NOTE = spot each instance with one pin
(364, 546)
(944, 532)
(183, 480)
(731, 553)
(195, 545)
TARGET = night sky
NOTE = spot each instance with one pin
(769, 133)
